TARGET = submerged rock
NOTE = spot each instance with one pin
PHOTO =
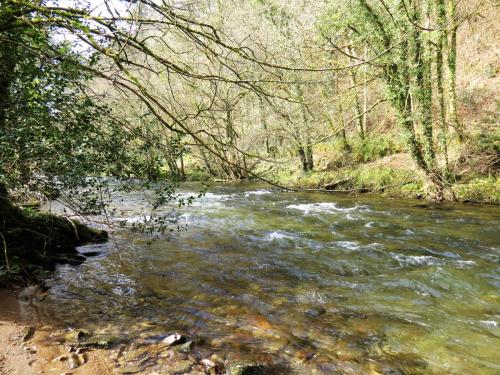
(245, 368)
(174, 339)
(315, 312)
(97, 342)
(186, 347)
(179, 367)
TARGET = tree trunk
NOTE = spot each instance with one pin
(303, 158)
(452, 71)
(309, 156)
(263, 120)
(345, 144)
(423, 92)
(357, 104)
(440, 47)
(365, 93)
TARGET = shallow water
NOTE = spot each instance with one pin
(320, 283)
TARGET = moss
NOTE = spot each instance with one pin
(32, 240)
(481, 190)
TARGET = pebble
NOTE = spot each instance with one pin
(28, 333)
(174, 339)
(208, 363)
(73, 361)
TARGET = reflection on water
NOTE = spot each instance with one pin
(321, 283)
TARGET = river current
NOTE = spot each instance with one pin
(320, 283)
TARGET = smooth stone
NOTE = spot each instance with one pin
(73, 361)
(261, 322)
(101, 342)
(174, 339)
(153, 339)
(208, 363)
(305, 355)
(76, 335)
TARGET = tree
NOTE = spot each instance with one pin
(401, 38)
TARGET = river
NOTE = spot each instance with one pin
(320, 283)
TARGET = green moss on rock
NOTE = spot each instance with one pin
(31, 238)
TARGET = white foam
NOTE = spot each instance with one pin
(311, 296)
(489, 323)
(417, 260)
(257, 192)
(323, 207)
(350, 245)
(281, 236)
(465, 263)
(133, 219)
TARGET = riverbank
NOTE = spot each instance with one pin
(29, 346)
(394, 176)
(15, 357)
(380, 165)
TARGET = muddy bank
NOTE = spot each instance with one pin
(15, 358)
(28, 347)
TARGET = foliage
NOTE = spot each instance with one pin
(57, 135)
(484, 190)
(375, 147)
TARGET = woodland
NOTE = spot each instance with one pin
(394, 97)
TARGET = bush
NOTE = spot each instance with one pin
(375, 147)
(481, 190)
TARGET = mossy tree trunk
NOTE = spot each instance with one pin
(440, 48)
(452, 69)
(408, 77)
(357, 103)
(423, 86)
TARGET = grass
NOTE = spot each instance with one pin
(483, 190)
(378, 165)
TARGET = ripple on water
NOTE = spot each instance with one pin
(257, 192)
(285, 257)
(325, 207)
(417, 260)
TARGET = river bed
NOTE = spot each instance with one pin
(318, 283)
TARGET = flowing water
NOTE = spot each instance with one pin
(320, 283)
